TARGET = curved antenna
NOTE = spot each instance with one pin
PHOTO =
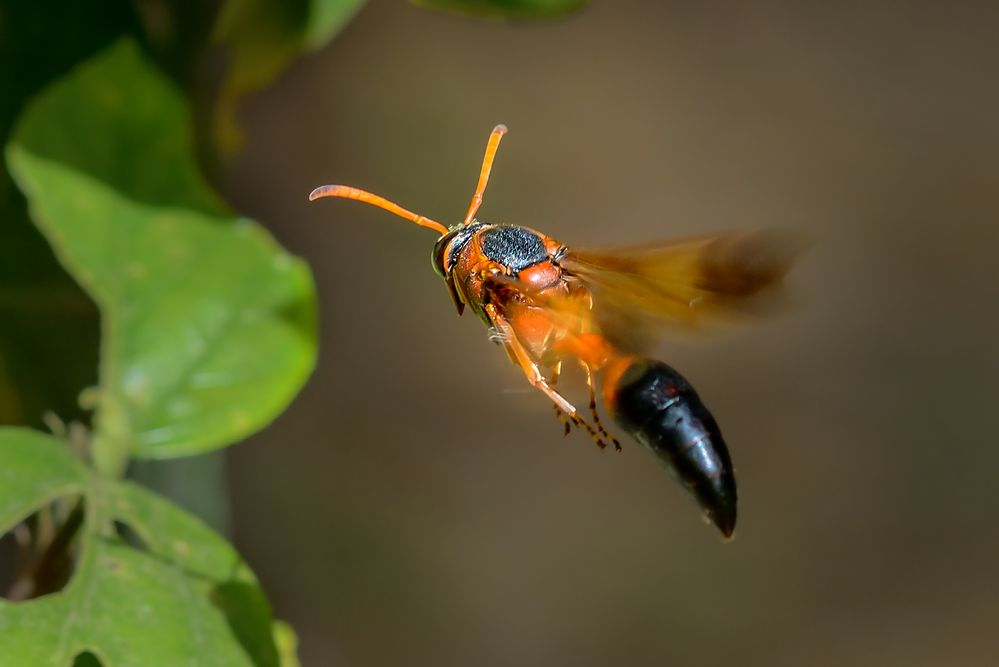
(347, 192)
(487, 166)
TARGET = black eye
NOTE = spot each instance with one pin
(438, 256)
(449, 247)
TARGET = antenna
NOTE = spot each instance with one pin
(487, 166)
(347, 192)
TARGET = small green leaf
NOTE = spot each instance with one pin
(326, 18)
(208, 325)
(35, 469)
(262, 37)
(506, 9)
(181, 596)
(287, 644)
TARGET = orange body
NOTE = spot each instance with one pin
(511, 278)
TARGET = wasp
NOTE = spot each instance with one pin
(547, 303)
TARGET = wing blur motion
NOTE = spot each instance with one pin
(704, 280)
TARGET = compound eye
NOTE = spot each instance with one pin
(439, 254)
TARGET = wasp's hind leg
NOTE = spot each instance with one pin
(599, 433)
(593, 407)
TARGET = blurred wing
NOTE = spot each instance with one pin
(704, 280)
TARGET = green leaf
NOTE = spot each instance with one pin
(287, 644)
(262, 37)
(326, 18)
(506, 9)
(35, 469)
(208, 325)
(180, 596)
(131, 609)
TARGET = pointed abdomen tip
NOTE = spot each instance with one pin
(726, 524)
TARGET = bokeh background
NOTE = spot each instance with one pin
(417, 504)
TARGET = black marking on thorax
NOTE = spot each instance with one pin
(512, 246)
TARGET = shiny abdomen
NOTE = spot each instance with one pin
(659, 408)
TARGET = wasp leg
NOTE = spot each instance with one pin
(575, 420)
(566, 424)
(523, 359)
(593, 407)
(520, 356)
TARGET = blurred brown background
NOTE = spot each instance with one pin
(417, 505)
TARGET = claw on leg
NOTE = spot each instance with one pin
(566, 426)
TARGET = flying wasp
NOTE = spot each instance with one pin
(547, 303)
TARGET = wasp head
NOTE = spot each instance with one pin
(449, 246)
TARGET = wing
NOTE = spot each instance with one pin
(705, 280)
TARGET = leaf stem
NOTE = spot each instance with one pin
(111, 446)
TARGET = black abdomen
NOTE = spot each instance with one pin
(660, 409)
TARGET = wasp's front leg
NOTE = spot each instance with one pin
(518, 353)
(506, 336)
(522, 358)
(562, 417)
